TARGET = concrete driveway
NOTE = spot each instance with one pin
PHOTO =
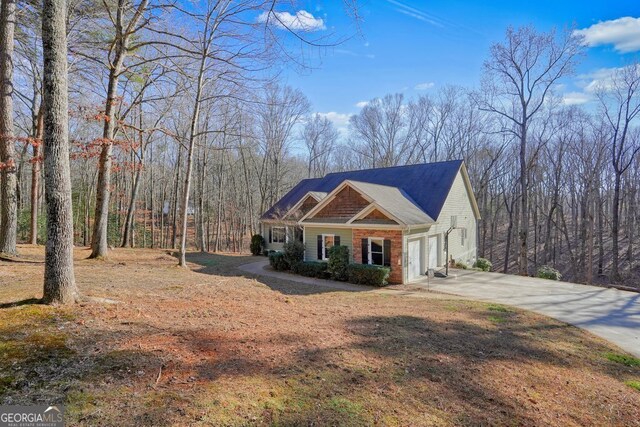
(609, 313)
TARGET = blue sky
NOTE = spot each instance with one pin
(415, 47)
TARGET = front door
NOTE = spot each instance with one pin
(433, 251)
(415, 259)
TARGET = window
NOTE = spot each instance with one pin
(328, 241)
(376, 251)
(277, 235)
(463, 236)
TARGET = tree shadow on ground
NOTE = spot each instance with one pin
(400, 366)
(27, 301)
(227, 265)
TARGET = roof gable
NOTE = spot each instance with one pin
(344, 204)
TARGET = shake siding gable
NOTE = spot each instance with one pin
(345, 205)
(457, 204)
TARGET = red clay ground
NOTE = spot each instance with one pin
(211, 347)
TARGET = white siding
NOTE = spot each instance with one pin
(457, 204)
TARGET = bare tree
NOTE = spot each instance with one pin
(384, 133)
(8, 178)
(279, 111)
(126, 19)
(320, 137)
(620, 104)
(59, 278)
(518, 79)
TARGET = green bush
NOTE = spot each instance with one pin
(546, 272)
(257, 244)
(338, 262)
(278, 262)
(364, 274)
(311, 269)
(293, 252)
(483, 264)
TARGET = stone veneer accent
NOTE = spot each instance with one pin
(395, 236)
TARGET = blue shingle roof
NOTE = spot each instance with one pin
(427, 184)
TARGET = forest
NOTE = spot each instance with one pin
(181, 133)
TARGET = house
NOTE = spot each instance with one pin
(410, 218)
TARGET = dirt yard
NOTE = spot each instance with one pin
(212, 347)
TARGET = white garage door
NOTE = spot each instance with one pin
(433, 251)
(415, 259)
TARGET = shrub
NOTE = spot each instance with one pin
(546, 272)
(483, 264)
(293, 252)
(311, 269)
(364, 274)
(257, 244)
(338, 262)
(278, 262)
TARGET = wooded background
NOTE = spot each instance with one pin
(181, 135)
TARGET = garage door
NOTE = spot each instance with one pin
(415, 259)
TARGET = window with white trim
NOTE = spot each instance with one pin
(376, 251)
(278, 235)
(463, 236)
(328, 241)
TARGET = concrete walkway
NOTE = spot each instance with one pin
(609, 313)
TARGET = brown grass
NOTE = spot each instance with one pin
(212, 347)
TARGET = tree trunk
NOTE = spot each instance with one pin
(631, 228)
(600, 214)
(8, 178)
(201, 202)
(151, 201)
(523, 268)
(174, 216)
(615, 224)
(99, 243)
(182, 262)
(59, 279)
(35, 176)
(128, 223)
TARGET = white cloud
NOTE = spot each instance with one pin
(622, 33)
(424, 86)
(576, 98)
(301, 21)
(340, 120)
(362, 104)
(602, 79)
